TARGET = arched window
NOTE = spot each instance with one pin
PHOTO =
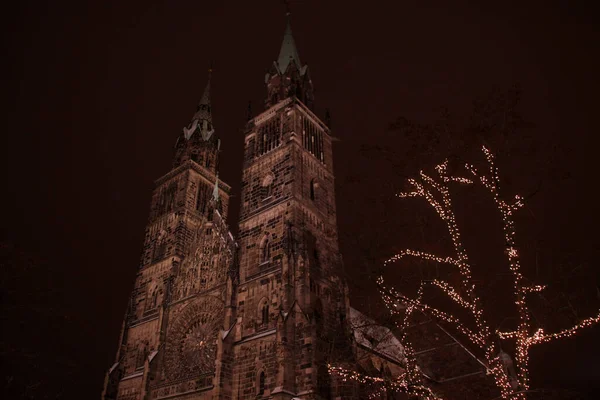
(261, 383)
(265, 314)
(160, 246)
(202, 197)
(142, 353)
(154, 299)
(168, 197)
(265, 250)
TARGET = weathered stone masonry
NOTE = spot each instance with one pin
(260, 316)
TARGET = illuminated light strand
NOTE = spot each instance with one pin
(441, 168)
(393, 297)
(437, 194)
(424, 256)
(420, 191)
(400, 384)
(540, 337)
(439, 187)
(449, 290)
(413, 374)
(458, 179)
(508, 335)
(408, 194)
(493, 185)
(486, 341)
(522, 335)
(534, 289)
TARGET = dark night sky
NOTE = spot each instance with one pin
(97, 92)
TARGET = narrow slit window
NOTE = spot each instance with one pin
(261, 383)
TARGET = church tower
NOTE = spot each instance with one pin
(260, 318)
(292, 303)
(180, 309)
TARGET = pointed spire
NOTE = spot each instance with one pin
(202, 119)
(205, 100)
(288, 51)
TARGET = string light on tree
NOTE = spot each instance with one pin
(436, 191)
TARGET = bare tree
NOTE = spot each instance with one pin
(511, 377)
(468, 314)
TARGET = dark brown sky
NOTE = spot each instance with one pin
(97, 92)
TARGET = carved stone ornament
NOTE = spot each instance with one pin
(192, 339)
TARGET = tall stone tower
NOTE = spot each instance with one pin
(210, 318)
(292, 304)
(183, 291)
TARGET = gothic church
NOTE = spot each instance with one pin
(258, 316)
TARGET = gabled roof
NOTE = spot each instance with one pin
(374, 337)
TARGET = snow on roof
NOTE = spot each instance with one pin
(375, 337)
(152, 355)
(113, 368)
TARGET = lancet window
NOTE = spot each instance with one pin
(203, 197)
(261, 383)
(312, 138)
(265, 250)
(268, 136)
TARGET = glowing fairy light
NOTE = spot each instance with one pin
(381, 385)
(436, 192)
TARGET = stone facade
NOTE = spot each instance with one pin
(259, 316)
(290, 295)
